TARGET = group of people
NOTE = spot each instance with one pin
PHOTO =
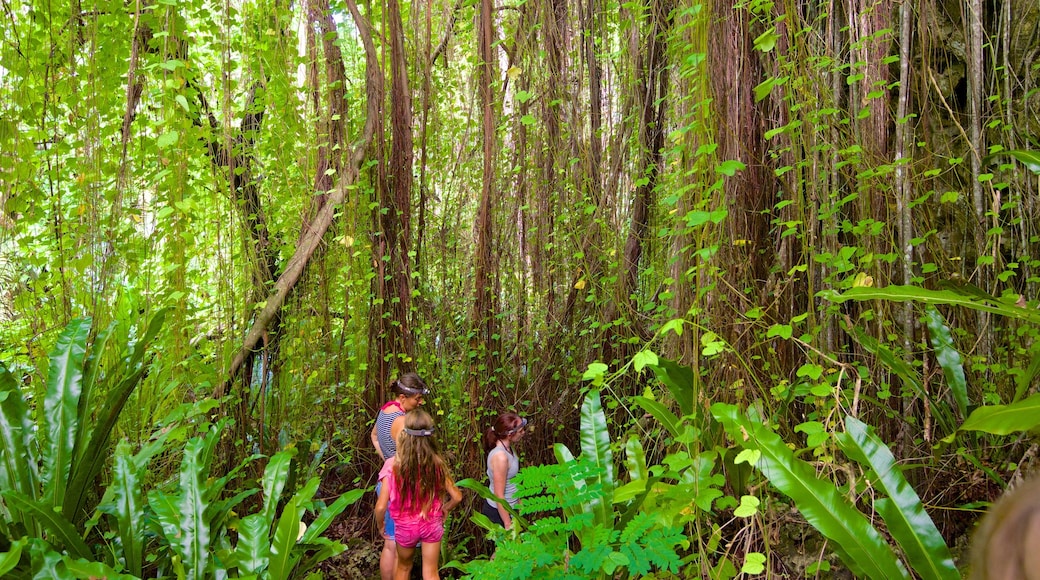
(416, 490)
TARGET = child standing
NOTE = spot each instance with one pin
(415, 482)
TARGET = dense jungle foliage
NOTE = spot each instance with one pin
(763, 275)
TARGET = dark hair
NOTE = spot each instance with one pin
(420, 471)
(410, 385)
(505, 425)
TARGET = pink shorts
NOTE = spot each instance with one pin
(411, 532)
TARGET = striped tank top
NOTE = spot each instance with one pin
(384, 421)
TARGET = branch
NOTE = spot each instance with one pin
(314, 231)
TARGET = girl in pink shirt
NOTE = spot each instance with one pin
(415, 483)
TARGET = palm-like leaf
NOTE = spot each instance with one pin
(909, 524)
(858, 543)
(60, 406)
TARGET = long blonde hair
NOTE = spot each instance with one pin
(420, 472)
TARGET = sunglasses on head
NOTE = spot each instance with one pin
(520, 427)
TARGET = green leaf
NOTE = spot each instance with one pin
(952, 297)
(680, 380)
(253, 550)
(58, 527)
(167, 139)
(95, 451)
(595, 446)
(642, 359)
(194, 538)
(129, 512)
(730, 167)
(1030, 159)
(858, 543)
(327, 515)
(60, 406)
(754, 563)
(10, 558)
(906, 374)
(661, 413)
(595, 373)
(18, 469)
(948, 357)
(1005, 419)
(766, 41)
(275, 476)
(287, 531)
(635, 460)
(903, 512)
(485, 493)
(748, 506)
(89, 570)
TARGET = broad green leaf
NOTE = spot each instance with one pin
(1025, 378)
(327, 515)
(485, 493)
(60, 405)
(287, 531)
(595, 443)
(325, 549)
(906, 374)
(948, 357)
(635, 460)
(90, 570)
(642, 359)
(58, 528)
(46, 562)
(680, 380)
(194, 537)
(95, 451)
(748, 506)
(18, 467)
(10, 558)
(1030, 159)
(667, 419)
(129, 511)
(1005, 419)
(858, 543)
(253, 549)
(903, 512)
(924, 296)
(275, 476)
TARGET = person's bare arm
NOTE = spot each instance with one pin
(499, 474)
(375, 442)
(454, 495)
(381, 504)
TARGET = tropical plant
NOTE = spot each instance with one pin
(579, 499)
(47, 468)
(828, 509)
(193, 520)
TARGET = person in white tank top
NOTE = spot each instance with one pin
(502, 465)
